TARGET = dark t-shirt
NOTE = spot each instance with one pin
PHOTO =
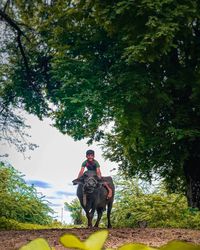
(90, 165)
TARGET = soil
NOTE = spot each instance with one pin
(11, 240)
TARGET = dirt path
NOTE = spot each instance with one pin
(11, 240)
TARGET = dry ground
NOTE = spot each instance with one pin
(12, 240)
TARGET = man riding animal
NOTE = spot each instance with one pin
(95, 192)
(92, 164)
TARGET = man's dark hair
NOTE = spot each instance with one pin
(89, 152)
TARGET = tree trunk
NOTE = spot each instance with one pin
(192, 174)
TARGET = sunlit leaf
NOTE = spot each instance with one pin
(69, 240)
(135, 247)
(37, 244)
(180, 245)
(96, 240)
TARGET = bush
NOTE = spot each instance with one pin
(76, 212)
(159, 209)
(10, 224)
(19, 201)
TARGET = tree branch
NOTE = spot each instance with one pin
(12, 23)
(20, 33)
(6, 5)
(23, 54)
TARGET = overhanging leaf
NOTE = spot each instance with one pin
(96, 240)
(72, 241)
(37, 244)
(179, 245)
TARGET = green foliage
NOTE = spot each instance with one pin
(76, 212)
(135, 63)
(97, 240)
(134, 206)
(10, 224)
(19, 201)
(38, 243)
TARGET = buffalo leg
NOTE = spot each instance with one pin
(99, 213)
(108, 214)
(90, 215)
(89, 219)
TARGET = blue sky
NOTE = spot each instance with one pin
(54, 164)
(39, 184)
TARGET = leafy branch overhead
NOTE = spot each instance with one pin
(134, 64)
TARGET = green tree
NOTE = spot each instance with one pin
(140, 206)
(76, 211)
(158, 128)
(20, 201)
(135, 63)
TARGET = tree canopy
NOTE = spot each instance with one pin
(135, 63)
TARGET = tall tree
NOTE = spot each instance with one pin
(132, 62)
(159, 130)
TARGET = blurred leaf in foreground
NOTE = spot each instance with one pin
(96, 241)
(180, 245)
(37, 244)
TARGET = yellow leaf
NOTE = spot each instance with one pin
(135, 247)
(96, 240)
(37, 244)
(71, 241)
(180, 245)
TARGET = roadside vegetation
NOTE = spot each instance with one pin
(77, 213)
(138, 204)
(21, 206)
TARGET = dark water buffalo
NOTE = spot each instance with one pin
(93, 196)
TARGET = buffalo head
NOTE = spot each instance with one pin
(89, 180)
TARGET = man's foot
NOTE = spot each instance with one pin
(109, 193)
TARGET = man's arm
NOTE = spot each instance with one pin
(82, 169)
(81, 172)
(98, 172)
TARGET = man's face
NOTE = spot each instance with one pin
(90, 157)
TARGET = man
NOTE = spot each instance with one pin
(92, 164)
